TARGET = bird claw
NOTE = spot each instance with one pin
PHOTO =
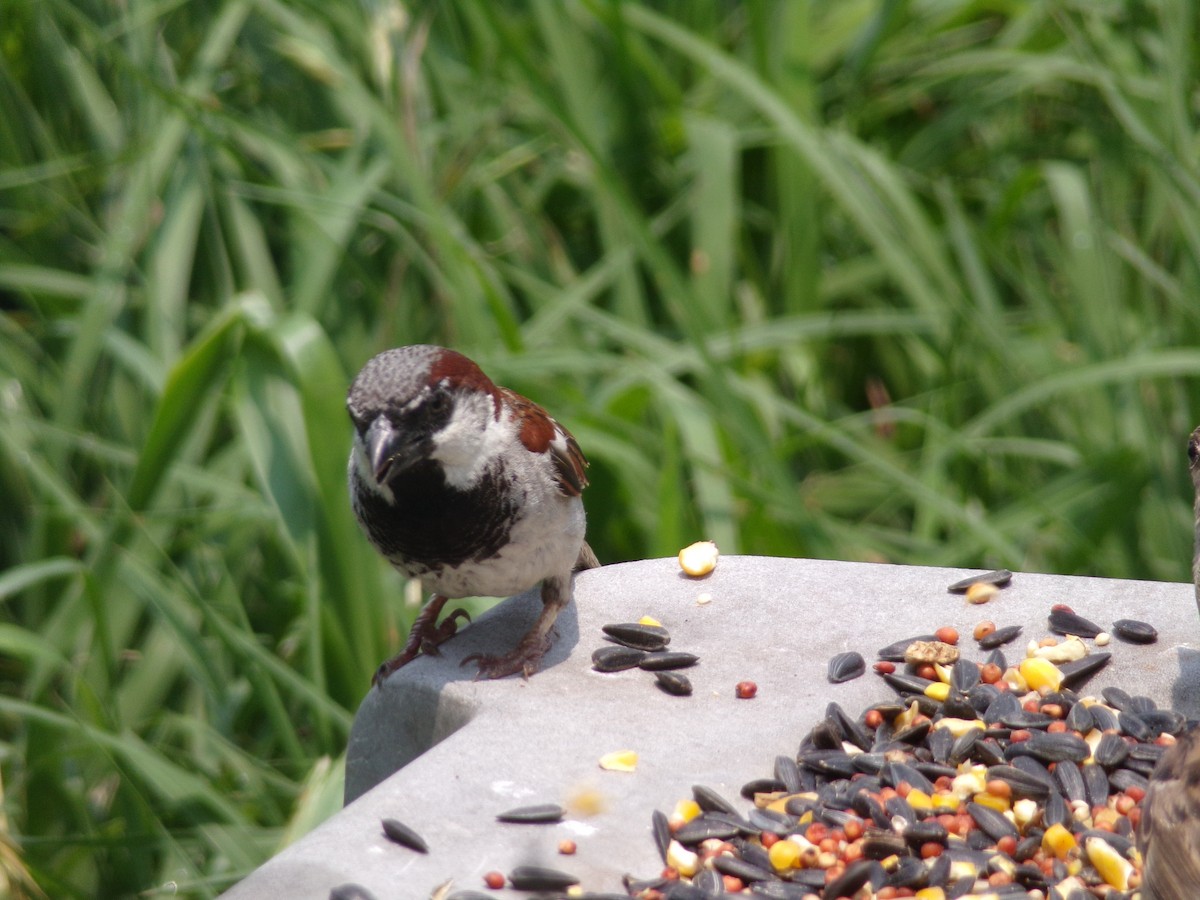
(424, 639)
(524, 658)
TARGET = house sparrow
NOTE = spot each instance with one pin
(1194, 468)
(1168, 834)
(469, 487)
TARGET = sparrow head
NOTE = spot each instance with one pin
(417, 403)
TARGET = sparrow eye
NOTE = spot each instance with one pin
(439, 404)
(1193, 452)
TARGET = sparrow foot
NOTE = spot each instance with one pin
(443, 632)
(524, 658)
(424, 637)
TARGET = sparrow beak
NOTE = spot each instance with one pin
(389, 451)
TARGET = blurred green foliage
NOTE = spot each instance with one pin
(901, 281)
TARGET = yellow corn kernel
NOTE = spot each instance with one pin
(963, 868)
(938, 691)
(1111, 865)
(619, 761)
(959, 727)
(1041, 674)
(1058, 841)
(784, 855)
(930, 893)
(650, 620)
(684, 812)
(918, 799)
(991, 801)
(946, 801)
(779, 803)
(1015, 680)
(943, 672)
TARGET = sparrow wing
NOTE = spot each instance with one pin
(541, 434)
(1169, 832)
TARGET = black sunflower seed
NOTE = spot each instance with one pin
(762, 786)
(705, 827)
(1000, 637)
(848, 884)
(1078, 671)
(999, 577)
(852, 730)
(401, 834)
(846, 667)
(1111, 751)
(1165, 721)
(540, 814)
(1023, 784)
(1049, 747)
(674, 683)
(667, 659)
(740, 868)
(991, 823)
(788, 772)
(539, 878)
(1065, 622)
(910, 872)
(1117, 698)
(661, 828)
(1134, 631)
(635, 634)
(904, 682)
(710, 801)
(1080, 718)
(1135, 726)
(350, 892)
(616, 658)
(1095, 783)
(894, 652)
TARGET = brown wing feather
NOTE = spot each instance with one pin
(540, 433)
(1169, 831)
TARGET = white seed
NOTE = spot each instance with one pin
(683, 860)
(699, 558)
(1103, 639)
(1070, 649)
(704, 600)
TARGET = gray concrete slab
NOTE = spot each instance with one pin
(445, 754)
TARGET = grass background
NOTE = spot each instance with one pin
(904, 281)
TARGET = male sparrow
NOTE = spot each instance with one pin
(1194, 467)
(469, 487)
(1168, 834)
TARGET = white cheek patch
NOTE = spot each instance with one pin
(470, 440)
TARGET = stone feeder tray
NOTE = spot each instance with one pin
(445, 754)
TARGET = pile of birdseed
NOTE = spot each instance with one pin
(980, 779)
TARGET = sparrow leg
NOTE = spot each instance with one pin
(448, 629)
(425, 634)
(527, 655)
